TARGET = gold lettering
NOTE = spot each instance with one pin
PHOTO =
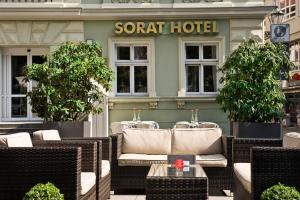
(129, 30)
(175, 26)
(188, 27)
(215, 27)
(140, 27)
(207, 26)
(119, 28)
(160, 26)
(198, 26)
(151, 28)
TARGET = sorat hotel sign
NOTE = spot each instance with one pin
(161, 27)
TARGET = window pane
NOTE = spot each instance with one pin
(37, 60)
(18, 107)
(140, 79)
(123, 79)
(192, 52)
(209, 52)
(140, 53)
(123, 53)
(210, 81)
(18, 64)
(192, 78)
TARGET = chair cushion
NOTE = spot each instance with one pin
(215, 160)
(16, 140)
(291, 140)
(243, 173)
(45, 135)
(197, 141)
(105, 168)
(141, 159)
(147, 141)
(88, 180)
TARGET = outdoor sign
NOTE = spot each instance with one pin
(161, 27)
(280, 33)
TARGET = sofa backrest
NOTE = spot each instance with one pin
(147, 141)
(46, 135)
(197, 141)
(291, 140)
(21, 139)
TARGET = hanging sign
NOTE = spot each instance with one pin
(280, 33)
(160, 27)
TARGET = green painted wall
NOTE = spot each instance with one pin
(166, 72)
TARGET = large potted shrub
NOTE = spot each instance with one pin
(70, 85)
(251, 92)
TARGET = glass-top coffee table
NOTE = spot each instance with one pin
(166, 182)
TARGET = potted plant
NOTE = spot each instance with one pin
(46, 191)
(70, 85)
(279, 192)
(251, 92)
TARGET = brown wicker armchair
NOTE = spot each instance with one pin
(60, 163)
(270, 164)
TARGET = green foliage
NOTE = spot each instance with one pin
(252, 91)
(46, 191)
(280, 192)
(68, 82)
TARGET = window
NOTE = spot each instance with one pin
(295, 55)
(288, 7)
(201, 61)
(132, 66)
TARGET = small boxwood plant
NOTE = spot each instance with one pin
(46, 191)
(280, 192)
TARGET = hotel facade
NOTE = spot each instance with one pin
(164, 53)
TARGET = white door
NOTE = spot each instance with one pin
(15, 104)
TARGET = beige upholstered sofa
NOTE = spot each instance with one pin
(139, 148)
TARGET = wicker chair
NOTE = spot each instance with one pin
(270, 164)
(58, 162)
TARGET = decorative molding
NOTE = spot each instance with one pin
(180, 104)
(153, 105)
(39, 32)
(111, 105)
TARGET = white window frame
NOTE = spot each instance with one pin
(183, 62)
(287, 15)
(150, 63)
(295, 49)
(5, 86)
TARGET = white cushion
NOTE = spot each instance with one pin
(215, 160)
(88, 180)
(243, 173)
(105, 168)
(16, 140)
(147, 141)
(197, 141)
(291, 140)
(141, 159)
(45, 135)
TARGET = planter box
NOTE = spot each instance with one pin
(256, 130)
(70, 129)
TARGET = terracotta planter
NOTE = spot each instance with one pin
(70, 129)
(256, 130)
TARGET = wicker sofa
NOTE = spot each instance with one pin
(134, 150)
(70, 165)
(262, 163)
(103, 178)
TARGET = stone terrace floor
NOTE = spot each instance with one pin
(142, 197)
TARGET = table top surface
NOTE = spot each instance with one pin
(168, 171)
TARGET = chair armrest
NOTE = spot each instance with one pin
(271, 165)
(242, 147)
(89, 157)
(227, 143)
(116, 147)
(22, 168)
